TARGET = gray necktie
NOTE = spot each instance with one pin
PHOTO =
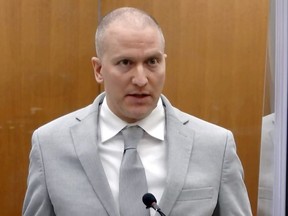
(132, 179)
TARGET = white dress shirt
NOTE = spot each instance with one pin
(151, 149)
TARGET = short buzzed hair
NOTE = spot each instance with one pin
(124, 14)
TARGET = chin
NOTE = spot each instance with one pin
(137, 116)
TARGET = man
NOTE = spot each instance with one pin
(190, 165)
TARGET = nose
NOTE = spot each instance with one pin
(140, 77)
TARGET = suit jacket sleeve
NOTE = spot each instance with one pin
(233, 197)
(37, 201)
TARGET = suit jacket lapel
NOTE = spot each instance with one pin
(180, 142)
(85, 142)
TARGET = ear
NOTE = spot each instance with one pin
(97, 66)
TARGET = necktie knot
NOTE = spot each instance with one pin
(132, 136)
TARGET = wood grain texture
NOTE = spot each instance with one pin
(45, 72)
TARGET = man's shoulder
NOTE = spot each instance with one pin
(197, 123)
(73, 118)
(67, 120)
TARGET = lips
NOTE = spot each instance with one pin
(138, 96)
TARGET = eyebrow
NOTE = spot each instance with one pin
(146, 56)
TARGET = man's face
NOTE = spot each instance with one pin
(132, 69)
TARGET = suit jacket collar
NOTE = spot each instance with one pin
(85, 137)
(179, 140)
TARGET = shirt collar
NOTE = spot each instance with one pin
(111, 125)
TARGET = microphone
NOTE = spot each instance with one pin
(150, 201)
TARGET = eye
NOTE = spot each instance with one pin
(125, 62)
(153, 61)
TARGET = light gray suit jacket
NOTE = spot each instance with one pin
(66, 177)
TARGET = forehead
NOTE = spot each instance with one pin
(133, 35)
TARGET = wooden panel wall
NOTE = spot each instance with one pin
(45, 71)
(216, 57)
(216, 64)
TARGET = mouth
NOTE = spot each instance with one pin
(138, 96)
